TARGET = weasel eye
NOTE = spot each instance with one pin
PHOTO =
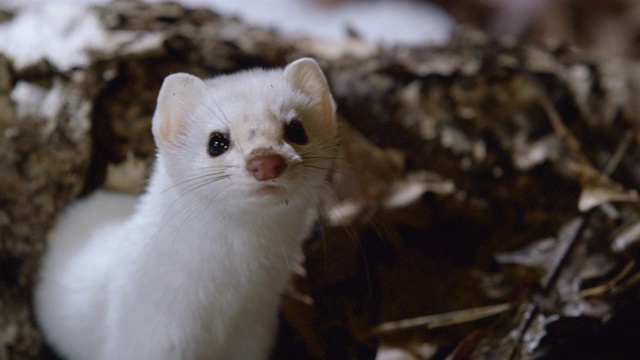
(218, 144)
(294, 132)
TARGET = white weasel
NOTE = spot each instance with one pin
(197, 270)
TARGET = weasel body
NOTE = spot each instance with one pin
(196, 271)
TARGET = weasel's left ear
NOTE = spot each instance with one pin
(307, 77)
(179, 96)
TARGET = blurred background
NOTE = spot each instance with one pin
(464, 104)
(602, 28)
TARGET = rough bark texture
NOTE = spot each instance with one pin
(491, 178)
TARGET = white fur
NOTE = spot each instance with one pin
(196, 272)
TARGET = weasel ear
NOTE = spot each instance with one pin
(179, 95)
(307, 77)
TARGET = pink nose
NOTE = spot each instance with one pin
(266, 167)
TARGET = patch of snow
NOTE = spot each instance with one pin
(60, 32)
(33, 100)
(386, 22)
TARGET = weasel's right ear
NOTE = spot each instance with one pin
(179, 95)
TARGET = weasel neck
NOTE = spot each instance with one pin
(175, 219)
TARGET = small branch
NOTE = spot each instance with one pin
(617, 156)
(441, 320)
(563, 254)
(609, 285)
(572, 144)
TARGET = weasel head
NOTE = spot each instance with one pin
(258, 137)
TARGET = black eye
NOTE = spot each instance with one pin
(294, 132)
(218, 144)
